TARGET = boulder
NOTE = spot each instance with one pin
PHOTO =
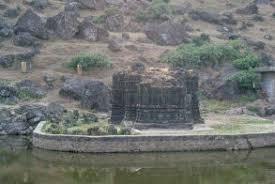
(262, 1)
(5, 29)
(34, 113)
(25, 39)
(92, 4)
(54, 112)
(11, 13)
(131, 7)
(268, 37)
(37, 4)
(256, 45)
(21, 120)
(91, 93)
(167, 33)
(249, 9)
(49, 80)
(258, 18)
(115, 44)
(114, 22)
(7, 61)
(183, 8)
(226, 90)
(213, 18)
(133, 26)
(63, 25)
(92, 32)
(7, 92)
(3, 6)
(31, 23)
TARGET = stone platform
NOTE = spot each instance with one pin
(153, 141)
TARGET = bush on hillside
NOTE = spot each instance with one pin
(159, 9)
(201, 53)
(247, 79)
(89, 61)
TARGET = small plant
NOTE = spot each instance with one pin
(25, 95)
(89, 61)
(111, 11)
(247, 79)
(99, 19)
(247, 62)
(201, 40)
(159, 9)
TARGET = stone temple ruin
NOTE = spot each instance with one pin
(156, 98)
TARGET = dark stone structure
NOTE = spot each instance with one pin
(156, 98)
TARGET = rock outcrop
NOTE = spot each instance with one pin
(63, 25)
(91, 4)
(5, 29)
(92, 32)
(92, 94)
(114, 22)
(167, 33)
(21, 120)
(213, 18)
(25, 39)
(31, 23)
(250, 9)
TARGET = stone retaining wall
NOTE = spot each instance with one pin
(142, 143)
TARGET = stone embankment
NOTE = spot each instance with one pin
(150, 143)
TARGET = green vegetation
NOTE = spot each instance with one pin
(100, 19)
(201, 40)
(242, 124)
(26, 95)
(218, 106)
(159, 9)
(89, 61)
(85, 128)
(200, 53)
(112, 10)
(247, 79)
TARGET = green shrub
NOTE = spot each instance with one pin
(99, 19)
(88, 61)
(201, 40)
(25, 95)
(247, 79)
(111, 10)
(159, 9)
(248, 61)
(201, 53)
(194, 56)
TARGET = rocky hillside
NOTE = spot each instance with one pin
(105, 36)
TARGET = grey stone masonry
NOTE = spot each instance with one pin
(156, 98)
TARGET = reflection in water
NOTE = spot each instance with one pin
(20, 164)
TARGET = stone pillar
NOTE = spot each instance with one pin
(131, 83)
(118, 106)
(192, 84)
(26, 67)
(79, 69)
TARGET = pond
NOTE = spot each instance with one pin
(22, 164)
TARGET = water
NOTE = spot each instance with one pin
(21, 164)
